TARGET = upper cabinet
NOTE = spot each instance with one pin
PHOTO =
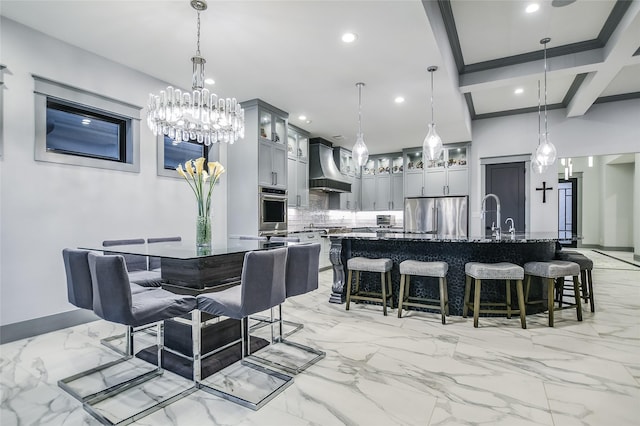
(382, 182)
(298, 167)
(346, 200)
(446, 175)
(272, 151)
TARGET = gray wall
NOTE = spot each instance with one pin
(608, 128)
(47, 206)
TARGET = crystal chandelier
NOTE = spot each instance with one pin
(546, 151)
(197, 115)
(432, 146)
(360, 152)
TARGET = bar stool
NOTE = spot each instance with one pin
(586, 279)
(550, 271)
(476, 272)
(363, 264)
(423, 269)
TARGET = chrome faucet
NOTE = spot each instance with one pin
(495, 230)
(512, 228)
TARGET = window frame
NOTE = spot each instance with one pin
(211, 153)
(48, 90)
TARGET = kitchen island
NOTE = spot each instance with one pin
(455, 251)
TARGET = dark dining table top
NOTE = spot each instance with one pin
(187, 249)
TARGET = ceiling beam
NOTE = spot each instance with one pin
(618, 53)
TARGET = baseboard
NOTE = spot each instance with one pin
(37, 326)
(605, 248)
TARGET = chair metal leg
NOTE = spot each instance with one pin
(446, 297)
(508, 299)
(591, 296)
(550, 290)
(349, 288)
(384, 293)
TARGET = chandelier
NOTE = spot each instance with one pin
(432, 146)
(360, 152)
(546, 152)
(198, 115)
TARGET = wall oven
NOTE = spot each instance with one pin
(272, 211)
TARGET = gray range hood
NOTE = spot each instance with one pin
(323, 172)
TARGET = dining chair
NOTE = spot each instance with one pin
(154, 262)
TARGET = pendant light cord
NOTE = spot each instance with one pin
(431, 72)
(545, 87)
(538, 112)
(360, 107)
(198, 43)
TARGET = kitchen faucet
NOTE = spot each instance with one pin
(494, 229)
(512, 228)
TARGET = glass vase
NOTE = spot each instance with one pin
(203, 232)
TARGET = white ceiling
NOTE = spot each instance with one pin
(289, 54)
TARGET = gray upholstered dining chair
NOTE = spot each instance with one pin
(114, 302)
(301, 278)
(262, 286)
(137, 265)
(277, 239)
(248, 237)
(80, 294)
(154, 262)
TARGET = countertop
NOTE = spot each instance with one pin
(506, 238)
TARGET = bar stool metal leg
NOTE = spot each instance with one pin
(401, 295)
(349, 275)
(550, 299)
(576, 289)
(384, 293)
(521, 304)
(476, 303)
(467, 291)
(508, 299)
(444, 304)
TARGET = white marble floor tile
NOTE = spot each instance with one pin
(385, 370)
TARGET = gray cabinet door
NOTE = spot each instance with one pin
(356, 194)
(368, 192)
(458, 181)
(413, 184)
(435, 182)
(383, 193)
(265, 170)
(302, 183)
(292, 187)
(397, 194)
(279, 165)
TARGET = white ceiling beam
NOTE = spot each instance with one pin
(617, 54)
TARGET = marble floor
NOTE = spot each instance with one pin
(387, 371)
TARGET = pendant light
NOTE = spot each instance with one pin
(432, 146)
(546, 152)
(535, 164)
(360, 152)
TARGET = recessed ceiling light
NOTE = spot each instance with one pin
(302, 117)
(349, 37)
(308, 121)
(518, 91)
(532, 8)
(399, 100)
(86, 121)
(210, 81)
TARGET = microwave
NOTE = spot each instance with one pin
(272, 211)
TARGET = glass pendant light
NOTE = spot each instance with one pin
(360, 152)
(432, 146)
(546, 152)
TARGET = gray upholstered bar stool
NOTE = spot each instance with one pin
(586, 279)
(477, 272)
(363, 264)
(549, 272)
(423, 269)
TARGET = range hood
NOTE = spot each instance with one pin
(323, 172)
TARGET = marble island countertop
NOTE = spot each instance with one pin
(506, 237)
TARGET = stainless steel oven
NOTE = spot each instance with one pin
(273, 211)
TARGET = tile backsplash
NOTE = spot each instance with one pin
(318, 215)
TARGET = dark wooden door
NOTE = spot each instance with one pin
(507, 181)
(567, 211)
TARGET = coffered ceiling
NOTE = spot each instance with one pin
(290, 54)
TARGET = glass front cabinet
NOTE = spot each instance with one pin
(346, 200)
(272, 151)
(446, 175)
(382, 182)
(298, 167)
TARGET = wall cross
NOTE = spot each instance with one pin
(544, 190)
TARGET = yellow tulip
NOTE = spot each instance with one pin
(199, 165)
(189, 167)
(180, 171)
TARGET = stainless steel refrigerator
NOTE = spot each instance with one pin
(447, 216)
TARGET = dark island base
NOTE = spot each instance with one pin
(455, 253)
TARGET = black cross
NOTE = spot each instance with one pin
(544, 190)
